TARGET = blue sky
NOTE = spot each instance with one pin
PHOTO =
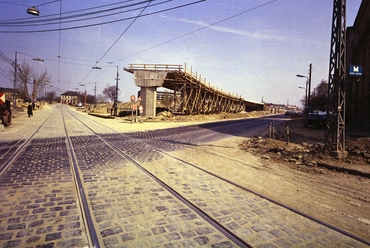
(252, 48)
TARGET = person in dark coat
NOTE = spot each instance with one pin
(29, 110)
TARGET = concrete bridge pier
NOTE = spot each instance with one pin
(191, 93)
(149, 81)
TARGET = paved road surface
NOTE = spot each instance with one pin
(42, 206)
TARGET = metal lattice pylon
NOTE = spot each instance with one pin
(335, 125)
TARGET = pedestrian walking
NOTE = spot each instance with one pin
(29, 110)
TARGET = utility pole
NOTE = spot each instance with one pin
(335, 123)
(15, 81)
(116, 96)
(309, 86)
(95, 96)
(34, 91)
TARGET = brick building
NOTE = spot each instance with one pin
(8, 93)
(358, 54)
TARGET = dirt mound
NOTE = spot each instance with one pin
(164, 116)
(361, 144)
(305, 150)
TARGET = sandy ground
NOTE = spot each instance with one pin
(338, 198)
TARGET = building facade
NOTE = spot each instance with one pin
(70, 98)
(358, 54)
(8, 93)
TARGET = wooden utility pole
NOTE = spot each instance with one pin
(116, 96)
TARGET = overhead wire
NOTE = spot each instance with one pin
(52, 55)
(87, 19)
(14, 4)
(44, 21)
(102, 23)
(114, 43)
(68, 12)
(5, 58)
(197, 30)
(5, 75)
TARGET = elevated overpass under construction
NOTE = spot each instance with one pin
(190, 93)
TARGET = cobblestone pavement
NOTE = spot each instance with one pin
(39, 206)
(38, 200)
(258, 221)
(131, 209)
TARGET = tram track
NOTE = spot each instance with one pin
(236, 212)
(19, 148)
(230, 182)
(37, 192)
(230, 235)
(93, 237)
(325, 185)
(219, 153)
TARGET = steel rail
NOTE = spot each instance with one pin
(237, 240)
(244, 188)
(328, 186)
(21, 148)
(79, 185)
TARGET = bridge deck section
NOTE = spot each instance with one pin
(191, 93)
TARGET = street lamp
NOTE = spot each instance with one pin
(308, 83)
(115, 100)
(33, 11)
(306, 102)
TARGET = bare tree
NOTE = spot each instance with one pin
(39, 83)
(24, 77)
(50, 96)
(110, 92)
(101, 99)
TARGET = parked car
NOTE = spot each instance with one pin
(315, 116)
(79, 104)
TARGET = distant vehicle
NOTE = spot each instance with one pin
(79, 104)
(293, 113)
(314, 116)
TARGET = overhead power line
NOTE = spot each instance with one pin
(68, 12)
(47, 21)
(197, 30)
(114, 43)
(101, 23)
(14, 4)
(5, 58)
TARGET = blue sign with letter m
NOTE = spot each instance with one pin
(355, 70)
